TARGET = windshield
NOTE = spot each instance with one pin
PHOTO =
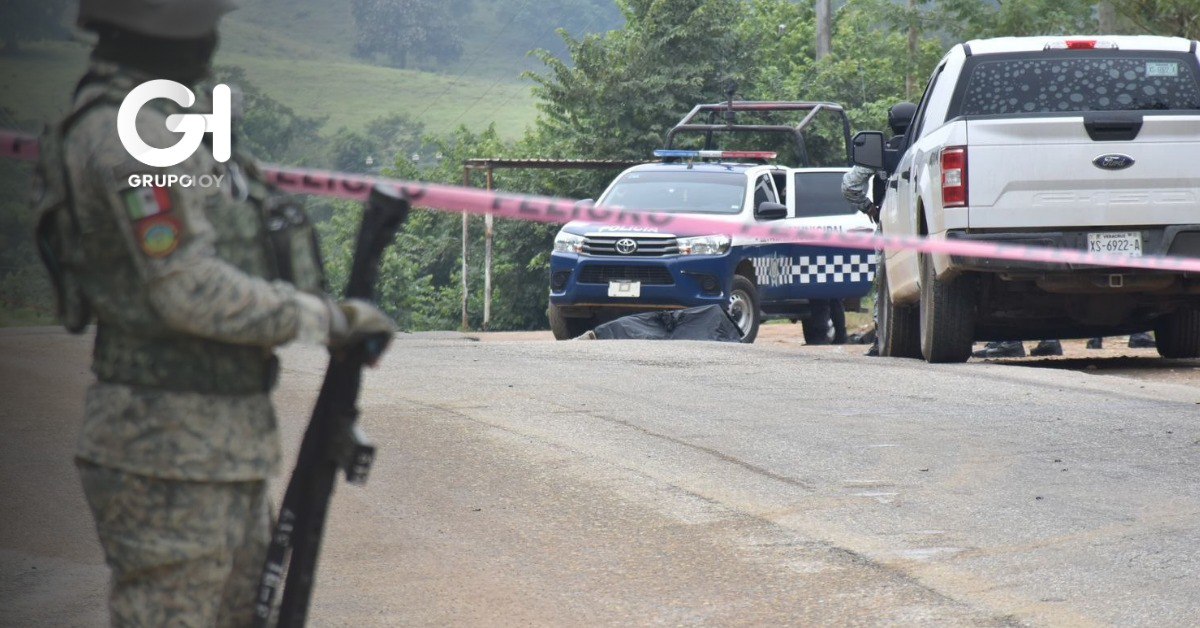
(1079, 81)
(679, 191)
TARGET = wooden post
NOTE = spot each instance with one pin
(824, 29)
(487, 259)
(466, 323)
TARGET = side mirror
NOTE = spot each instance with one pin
(867, 149)
(587, 202)
(767, 210)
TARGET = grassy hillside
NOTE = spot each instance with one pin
(297, 29)
(352, 94)
(37, 85)
(299, 53)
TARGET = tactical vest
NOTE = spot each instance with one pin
(260, 232)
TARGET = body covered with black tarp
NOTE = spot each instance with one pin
(708, 322)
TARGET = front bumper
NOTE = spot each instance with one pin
(580, 282)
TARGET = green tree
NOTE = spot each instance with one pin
(539, 21)
(401, 30)
(620, 92)
(976, 19)
(383, 141)
(1163, 17)
(865, 72)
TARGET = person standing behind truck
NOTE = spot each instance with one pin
(855, 183)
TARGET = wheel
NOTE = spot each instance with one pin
(897, 326)
(817, 327)
(743, 307)
(1177, 335)
(947, 315)
(565, 327)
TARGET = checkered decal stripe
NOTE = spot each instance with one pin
(782, 271)
(835, 268)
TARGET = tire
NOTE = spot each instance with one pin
(1177, 335)
(743, 308)
(947, 316)
(566, 328)
(817, 327)
(897, 326)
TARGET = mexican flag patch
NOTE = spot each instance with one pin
(146, 202)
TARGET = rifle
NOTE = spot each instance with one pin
(332, 440)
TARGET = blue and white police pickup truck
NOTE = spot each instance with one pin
(600, 272)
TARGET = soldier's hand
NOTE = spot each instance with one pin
(873, 213)
(355, 321)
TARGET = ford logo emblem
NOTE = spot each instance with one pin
(626, 246)
(1115, 161)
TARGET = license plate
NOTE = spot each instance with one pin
(1119, 242)
(629, 289)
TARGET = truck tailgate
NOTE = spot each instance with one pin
(1040, 172)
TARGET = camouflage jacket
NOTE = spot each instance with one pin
(854, 187)
(187, 302)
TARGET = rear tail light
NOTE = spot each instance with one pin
(954, 176)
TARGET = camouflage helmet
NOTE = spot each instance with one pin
(168, 19)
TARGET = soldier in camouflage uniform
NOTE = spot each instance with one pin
(860, 178)
(190, 288)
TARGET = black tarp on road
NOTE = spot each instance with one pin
(708, 322)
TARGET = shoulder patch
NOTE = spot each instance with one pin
(144, 202)
(158, 235)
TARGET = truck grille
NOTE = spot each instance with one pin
(604, 273)
(647, 245)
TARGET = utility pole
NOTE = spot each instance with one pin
(824, 29)
(1107, 14)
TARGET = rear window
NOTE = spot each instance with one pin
(1078, 81)
(820, 194)
(678, 191)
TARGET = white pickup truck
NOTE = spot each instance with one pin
(1088, 143)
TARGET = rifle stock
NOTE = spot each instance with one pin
(332, 440)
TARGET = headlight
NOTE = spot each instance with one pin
(568, 243)
(704, 245)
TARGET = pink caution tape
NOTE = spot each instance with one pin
(18, 145)
(545, 209)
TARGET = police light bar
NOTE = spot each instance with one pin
(1081, 44)
(714, 154)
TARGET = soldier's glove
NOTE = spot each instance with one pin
(872, 212)
(355, 321)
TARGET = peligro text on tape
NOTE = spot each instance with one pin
(544, 209)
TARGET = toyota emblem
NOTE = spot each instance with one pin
(626, 246)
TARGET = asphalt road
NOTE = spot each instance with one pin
(617, 483)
